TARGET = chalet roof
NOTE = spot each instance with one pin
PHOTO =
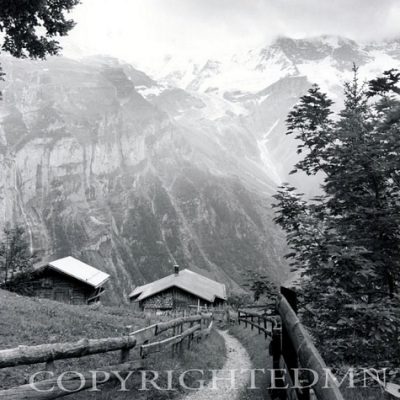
(79, 270)
(187, 280)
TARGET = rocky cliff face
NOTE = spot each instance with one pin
(95, 170)
(129, 173)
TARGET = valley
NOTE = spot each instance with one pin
(132, 170)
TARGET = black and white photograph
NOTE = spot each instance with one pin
(200, 199)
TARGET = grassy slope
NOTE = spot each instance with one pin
(30, 321)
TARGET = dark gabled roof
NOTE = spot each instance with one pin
(187, 280)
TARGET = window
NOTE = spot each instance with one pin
(47, 282)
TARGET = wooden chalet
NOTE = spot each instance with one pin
(180, 290)
(68, 280)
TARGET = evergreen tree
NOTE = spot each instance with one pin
(16, 259)
(346, 242)
(259, 285)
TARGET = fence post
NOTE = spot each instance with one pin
(180, 344)
(238, 317)
(124, 355)
(190, 336)
(265, 327)
(288, 351)
(50, 366)
(173, 347)
(276, 351)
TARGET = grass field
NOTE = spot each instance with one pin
(31, 321)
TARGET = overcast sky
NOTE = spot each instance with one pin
(141, 30)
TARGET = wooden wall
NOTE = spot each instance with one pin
(50, 284)
(175, 298)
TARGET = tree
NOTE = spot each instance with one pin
(346, 242)
(16, 259)
(30, 28)
(260, 286)
(238, 300)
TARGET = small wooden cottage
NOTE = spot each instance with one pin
(180, 290)
(68, 280)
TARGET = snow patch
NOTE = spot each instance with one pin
(262, 98)
(381, 62)
(265, 155)
(149, 92)
(325, 74)
(217, 107)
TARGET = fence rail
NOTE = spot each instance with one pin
(265, 323)
(163, 344)
(298, 348)
(164, 326)
(25, 355)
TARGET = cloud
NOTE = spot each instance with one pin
(359, 19)
(144, 30)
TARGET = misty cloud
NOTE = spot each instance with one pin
(143, 31)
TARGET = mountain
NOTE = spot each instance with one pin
(95, 170)
(257, 88)
(325, 59)
(131, 172)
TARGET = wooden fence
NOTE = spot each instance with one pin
(291, 348)
(191, 328)
(257, 320)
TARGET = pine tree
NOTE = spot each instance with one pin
(346, 242)
(16, 259)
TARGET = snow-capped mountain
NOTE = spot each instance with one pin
(257, 88)
(326, 60)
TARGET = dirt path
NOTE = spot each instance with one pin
(237, 359)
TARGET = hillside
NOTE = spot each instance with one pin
(30, 321)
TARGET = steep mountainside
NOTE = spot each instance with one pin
(257, 88)
(129, 172)
(95, 170)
